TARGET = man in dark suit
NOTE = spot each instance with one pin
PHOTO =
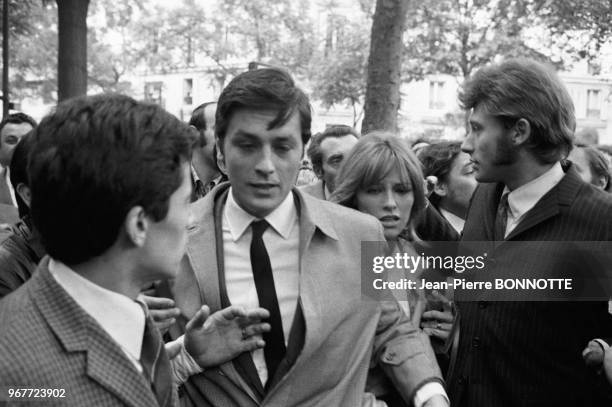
(327, 151)
(259, 241)
(527, 353)
(110, 192)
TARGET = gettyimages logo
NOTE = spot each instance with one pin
(475, 271)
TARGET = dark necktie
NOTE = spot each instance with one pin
(275, 349)
(501, 219)
(155, 364)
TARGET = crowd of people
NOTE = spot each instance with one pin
(151, 262)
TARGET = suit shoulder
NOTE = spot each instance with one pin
(342, 217)
(314, 189)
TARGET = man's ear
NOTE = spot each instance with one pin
(220, 156)
(24, 192)
(440, 189)
(521, 132)
(136, 225)
(602, 182)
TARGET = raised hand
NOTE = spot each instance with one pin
(162, 310)
(218, 338)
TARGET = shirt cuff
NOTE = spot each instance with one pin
(183, 365)
(427, 391)
(604, 345)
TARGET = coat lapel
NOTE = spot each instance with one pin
(202, 272)
(306, 331)
(105, 363)
(550, 204)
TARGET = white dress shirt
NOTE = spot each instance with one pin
(282, 240)
(525, 197)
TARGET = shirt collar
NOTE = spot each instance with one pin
(194, 174)
(523, 198)
(282, 219)
(455, 221)
(121, 317)
(326, 192)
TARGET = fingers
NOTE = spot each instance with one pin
(256, 329)
(232, 312)
(253, 343)
(159, 315)
(439, 316)
(157, 302)
(172, 349)
(440, 326)
(258, 314)
(199, 318)
(436, 333)
(441, 298)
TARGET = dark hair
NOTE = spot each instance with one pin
(198, 120)
(17, 118)
(598, 163)
(93, 160)
(437, 160)
(314, 149)
(19, 170)
(263, 89)
(525, 89)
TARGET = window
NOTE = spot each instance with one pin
(436, 95)
(593, 103)
(153, 92)
(188, 91)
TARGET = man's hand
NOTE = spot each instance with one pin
(439, 324)
(593, 355)
(162, 310)
(607, 365)
(222, 336)
(436, 401)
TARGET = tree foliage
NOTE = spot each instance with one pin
(457, 36)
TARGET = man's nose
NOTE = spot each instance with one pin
(265, 165)
(468, 144)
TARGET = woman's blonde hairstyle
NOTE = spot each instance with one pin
(372, 158)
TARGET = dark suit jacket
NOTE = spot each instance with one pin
(48, 341)
(529, 353)
(335, 333)
(20, 254)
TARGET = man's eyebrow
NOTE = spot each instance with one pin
(246, 134)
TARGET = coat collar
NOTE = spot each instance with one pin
(78, 332)
(551, 204)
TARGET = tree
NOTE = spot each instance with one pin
(457, 36)
(382, 97)
(339, 76)
(72, 48)
(578, 27)
(280, 32)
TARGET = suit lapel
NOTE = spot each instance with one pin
(551, 203)
(206, 275)
(307, 328)
(105, 363)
